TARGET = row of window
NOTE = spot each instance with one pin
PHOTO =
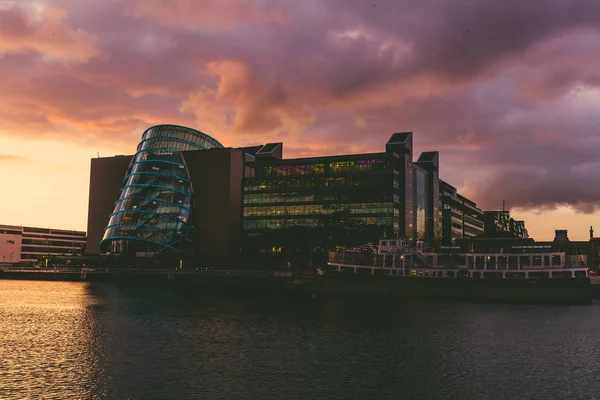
(147, 218)
(309, 222)
(251, 185)
(335, 196)
(180, 133)
(321, 209)
(367, 165)
(50, 250)
(51, 242)
(163, 237)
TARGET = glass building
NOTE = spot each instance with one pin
(154, 206)
(306, 193)
(341, 200)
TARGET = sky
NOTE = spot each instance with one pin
(507, 91)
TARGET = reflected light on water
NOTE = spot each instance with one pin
(63, 340)
(45, 339)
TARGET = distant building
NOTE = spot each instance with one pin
(461, 218)
(28, 245)
(502, 221)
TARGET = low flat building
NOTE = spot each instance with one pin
(29, 245)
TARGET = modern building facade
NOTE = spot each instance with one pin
(153, 211)
(29, 245)
(178, 198)
(368, 195)
(461, 218)
(186, 197)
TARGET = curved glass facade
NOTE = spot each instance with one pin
(154, 207)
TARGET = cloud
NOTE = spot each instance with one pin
(507, 92)
(240, 104)
(22, 30)
(13, 159)
(208, 15)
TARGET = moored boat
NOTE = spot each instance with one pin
(391, 268)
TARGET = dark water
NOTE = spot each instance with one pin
(85, 341)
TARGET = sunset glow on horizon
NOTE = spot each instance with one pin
(512, 104)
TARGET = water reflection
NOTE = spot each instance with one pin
(75, 340)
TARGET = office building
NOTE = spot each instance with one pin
(363, 196)
(461, 218)
(184, 197)
(29, 245)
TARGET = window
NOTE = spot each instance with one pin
(556, 260)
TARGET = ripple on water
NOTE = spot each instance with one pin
(84, 341)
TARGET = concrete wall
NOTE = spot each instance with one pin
(106, 178)
(10, 248)
(216, 177)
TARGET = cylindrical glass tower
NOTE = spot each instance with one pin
(153, 211)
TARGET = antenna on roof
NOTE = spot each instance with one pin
(98, 154)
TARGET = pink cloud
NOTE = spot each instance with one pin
(241, 104)
(208, 15)
(45, 33)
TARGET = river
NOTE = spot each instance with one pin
(73, 340)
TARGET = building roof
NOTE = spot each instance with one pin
(400, 137)
(428, 156)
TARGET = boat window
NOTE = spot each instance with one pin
(392, 242)
(561, 274)
(555, 260)
(525, 261)
(479, 262)
(513, 262)
(546, 260)
(502, 262)
(580, 274)
(384, 242)
(450, 274)
(439, 274)
(476, 275)
(537, 260)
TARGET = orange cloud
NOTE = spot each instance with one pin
(240, 105)
(23, 31)
(209, 15)
(11, 158)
